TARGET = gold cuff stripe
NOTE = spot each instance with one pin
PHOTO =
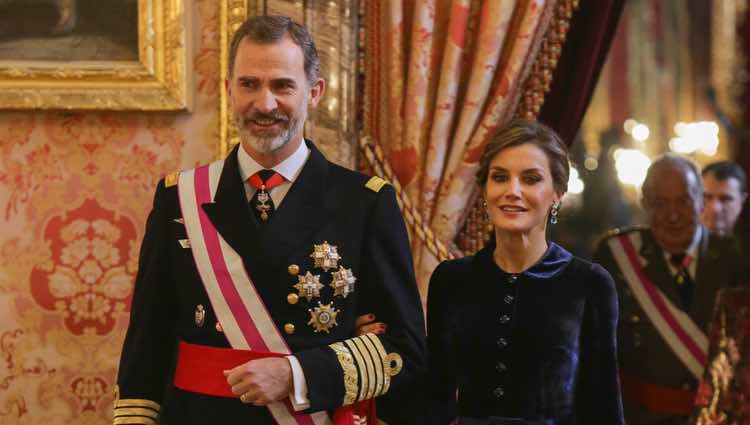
(351, 379)
(370, 367)
(134, 420)
(137, 402)
(378, 366)
(360, 364)
(136, 411)
(381, 353)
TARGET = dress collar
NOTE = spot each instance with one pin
(554, 260)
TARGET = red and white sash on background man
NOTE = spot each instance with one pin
(679, 331)
(246, 321)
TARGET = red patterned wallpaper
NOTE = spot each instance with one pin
(75, 189)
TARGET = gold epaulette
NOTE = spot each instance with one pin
(135, 410)
(171, 179)
(375, 184)
(367, 367)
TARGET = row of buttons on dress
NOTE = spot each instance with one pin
(503, 343)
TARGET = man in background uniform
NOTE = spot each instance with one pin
(667, 276)
(254, 269)
(724, 194)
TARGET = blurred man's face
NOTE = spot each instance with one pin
(723, 201)
(673, 210)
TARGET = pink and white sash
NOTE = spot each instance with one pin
(679, 331)
(240, 310)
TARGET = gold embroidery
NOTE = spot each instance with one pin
(375, 184)
(351, 379)
(392, 363)
(136, 411)
(360, 363)
(377, 361)
(134, 420)
(137, 402)
(369, 366)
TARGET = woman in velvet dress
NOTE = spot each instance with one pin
(523, 332)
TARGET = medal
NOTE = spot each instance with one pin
(325, 256)
(343, 282)
(200, 315)
(308, 286)
(323, 317)
(262, 204)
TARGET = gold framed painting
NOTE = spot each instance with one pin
(94, 55)
(334, 26)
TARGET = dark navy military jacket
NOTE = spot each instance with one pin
(537, 347)
(327, 203)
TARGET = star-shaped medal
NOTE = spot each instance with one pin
(323, 317)
(343, 282)
(309, 286)
(326, 256)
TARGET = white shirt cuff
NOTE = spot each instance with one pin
(298, 396)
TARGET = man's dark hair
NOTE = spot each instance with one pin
(267, 29)
(723, 170)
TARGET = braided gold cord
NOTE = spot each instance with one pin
(376, 159)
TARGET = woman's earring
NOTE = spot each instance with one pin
(553, 213)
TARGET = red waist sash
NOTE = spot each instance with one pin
(200, 369)
(657, 398)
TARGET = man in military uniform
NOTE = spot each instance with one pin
(667, 276)
(254, 269)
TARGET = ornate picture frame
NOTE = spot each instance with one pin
(157, 81)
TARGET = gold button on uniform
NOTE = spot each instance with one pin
(293, 269)
(292, 298)
(219, 328)
(289, 328)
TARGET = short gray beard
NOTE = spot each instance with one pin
(266, 145)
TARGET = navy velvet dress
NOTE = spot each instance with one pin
(537, 347)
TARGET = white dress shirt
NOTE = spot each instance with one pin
(290, 169)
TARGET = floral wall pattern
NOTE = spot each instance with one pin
(75, 190)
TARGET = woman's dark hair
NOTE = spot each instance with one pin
(522, 131)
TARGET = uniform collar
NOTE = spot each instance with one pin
(554, 260)
(289, 168)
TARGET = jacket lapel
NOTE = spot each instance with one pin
(304, 209)
(230, 213)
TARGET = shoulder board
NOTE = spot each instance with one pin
(624, 230)
(171, 179)
(375, 184)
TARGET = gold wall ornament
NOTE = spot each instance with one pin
(157, 81)
(334, 26)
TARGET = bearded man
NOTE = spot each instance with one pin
(254, 269)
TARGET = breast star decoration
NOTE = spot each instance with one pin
(323, 317)
(326, 256)
(342, 282)
(308, 286)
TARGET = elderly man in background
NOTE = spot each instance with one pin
(724, 194)
(667, 275)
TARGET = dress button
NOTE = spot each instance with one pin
(289, 328)
(499, 392)
(502, 342)
(508, 299)
(292, 298)
(504, 319)
(501, 367)
(512, 278)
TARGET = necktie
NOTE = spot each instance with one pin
(682, 278)
(261, 202)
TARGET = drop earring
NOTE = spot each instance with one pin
(553, 213)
